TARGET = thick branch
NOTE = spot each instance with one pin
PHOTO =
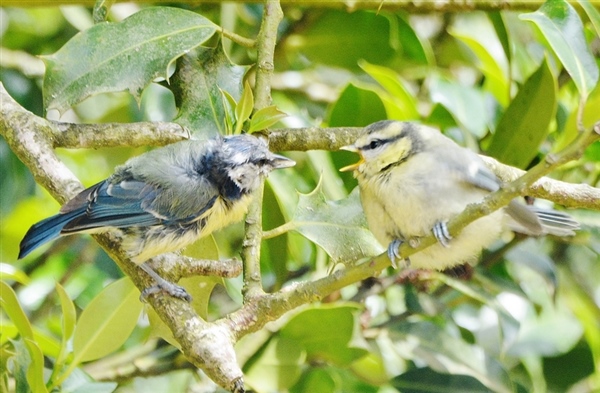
(406, 5)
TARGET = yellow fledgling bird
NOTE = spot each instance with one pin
(413, 179)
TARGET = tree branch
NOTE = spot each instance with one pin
(392, 5)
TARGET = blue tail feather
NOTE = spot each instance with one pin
(46, 230)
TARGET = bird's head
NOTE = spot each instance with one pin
(383, 145)
(248, 160)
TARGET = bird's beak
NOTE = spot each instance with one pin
(352, 167)
(279, 162)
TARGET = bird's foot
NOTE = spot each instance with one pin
(441, 233)
(163, 286)
(168, 288)
(393, 253)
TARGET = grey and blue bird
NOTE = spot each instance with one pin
(166, 199)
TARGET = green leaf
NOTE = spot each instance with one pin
(10, 272)
(358, 35)
(501, 32)
(107, 321)
(316, 380)
(101, 8)
(414, 49)
(122, 56)
(10, 305)
(357, 107)
(592, 13)
(244, 107)
(326, 332)
(46, 342)
(339, 227)
(278, 367)
(444, 352)
(202, 78)
(524, 125)
(80, 382)
(466, 104)
(69, 314)
(560, 24)
(496, 81)
(426, 380)
(265, 118)
(35, 372)
(400, 103)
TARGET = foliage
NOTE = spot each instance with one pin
(506, 83)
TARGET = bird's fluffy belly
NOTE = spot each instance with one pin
(144, 243)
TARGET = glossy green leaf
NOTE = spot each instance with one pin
(278, 366)
(400, 103)
(426, 380)
(358, 35)
(244, 107)
(203, 78)
(501, 32)
(496, 81)
(560, 24)
(326, 333)
(592, 13)
(414, 49)
(466, 104)
(357, 107)
(122, 56)
(265, 118)
(10, 272)
(444, 352)
(107, 321)
(339, 227)
(35, 372)
(46, 342)
(10, 305)
(316, 380)
(69, 315)
(524, 125)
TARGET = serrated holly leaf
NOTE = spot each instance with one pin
(202, 78)
(265, 118)
(339, 227)
(122, 56)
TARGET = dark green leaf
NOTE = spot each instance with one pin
(326, 333)
(425, 380)
(202, 79)
(359, 35)
(501, 32)
(356, 107)
(524, 125)
(121, 56)
(560, 24)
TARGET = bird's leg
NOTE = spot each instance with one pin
(163, 285)
(393, 253)
(441, 233)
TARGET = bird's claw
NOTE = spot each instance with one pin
(168, 288)
(393, 253)
(441, 233)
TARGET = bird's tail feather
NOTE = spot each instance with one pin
(46, 230)
(536, 221)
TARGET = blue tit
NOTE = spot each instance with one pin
(413, 179)
(166, 199)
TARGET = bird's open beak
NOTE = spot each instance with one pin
(282, 162)
(352, 167)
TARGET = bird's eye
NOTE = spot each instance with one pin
(375, 143)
